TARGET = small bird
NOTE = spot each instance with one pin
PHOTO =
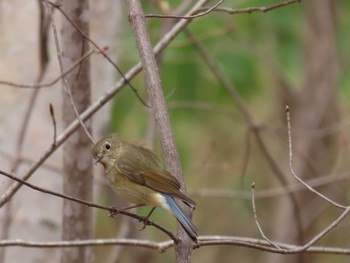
(137, 176)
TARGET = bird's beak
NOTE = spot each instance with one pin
(98, 159)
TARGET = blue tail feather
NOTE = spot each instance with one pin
(181, 217)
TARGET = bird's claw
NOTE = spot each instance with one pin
(113, 211)
(144, 220)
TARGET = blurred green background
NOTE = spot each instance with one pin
(261, 54)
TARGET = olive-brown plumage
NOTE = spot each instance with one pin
(136, 174)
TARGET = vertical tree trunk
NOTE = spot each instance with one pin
(316, 107)
(77, 163)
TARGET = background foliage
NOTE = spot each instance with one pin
(255, 51)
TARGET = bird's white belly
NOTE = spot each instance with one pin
(136, 193)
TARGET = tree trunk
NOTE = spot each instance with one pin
(315, 107)
(77, 162)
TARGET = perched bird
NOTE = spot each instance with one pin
(137, 176)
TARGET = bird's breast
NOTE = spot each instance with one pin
(134, 192)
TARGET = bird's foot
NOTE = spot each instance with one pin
(145, 222)
(113, 211)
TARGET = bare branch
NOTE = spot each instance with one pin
(113, 211)
(102, 50)
(52, 114)
(257, 221)
(291, 166)
(202, 13)
(331, 226)
(258, 244)
(161, 116)
(263, 245)
(324, 232)
(28, 161)
(250, 10)
(66, 84)
(206, 10)
(54, 81)
(160, 246)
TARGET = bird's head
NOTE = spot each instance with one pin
(106, 150)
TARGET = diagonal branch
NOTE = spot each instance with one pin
(112, 211)
(52, 82)
(160, 114)
(102, 50)
(295, 175)
(65, 81)
(89, 112)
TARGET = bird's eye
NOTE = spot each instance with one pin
(107, 146)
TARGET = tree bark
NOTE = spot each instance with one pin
(77, 163)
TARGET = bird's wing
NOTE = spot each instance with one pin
(153, 158)
(147, 172)
(158, 180)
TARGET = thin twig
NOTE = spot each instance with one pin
(257, 221)
(58, 7)
(292, 170)
(202, 13)
(328, 229)
(113, 211)
(250, 10)
(335, 223)
(52, 114)
(66, 84)
(29, 161)
(206, 10)
(52, 82)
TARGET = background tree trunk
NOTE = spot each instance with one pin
(315, 108)
(77, 163)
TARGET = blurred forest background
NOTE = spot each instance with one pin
(229, 134)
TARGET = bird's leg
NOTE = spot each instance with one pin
(145, 219)
(131, 207)
(114, 211)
